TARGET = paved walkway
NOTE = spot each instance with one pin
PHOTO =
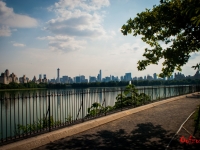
(152, 128)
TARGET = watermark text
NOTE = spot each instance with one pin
(190, 140)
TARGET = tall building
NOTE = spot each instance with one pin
(145, 77)
(100, 75)
(127, 77)
(58, 75)
(40, 76)
(122, 78)
(44, 76)
(34, 79)
(155, 76)
(23, 79)
(5, 78)
(77, 79)
(82, 77)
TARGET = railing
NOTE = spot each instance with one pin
(28, 115)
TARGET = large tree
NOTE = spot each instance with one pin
(173, 22)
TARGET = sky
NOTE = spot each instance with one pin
(78, 36)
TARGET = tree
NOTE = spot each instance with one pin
(175, 23)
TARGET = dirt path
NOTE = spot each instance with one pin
(149, 129)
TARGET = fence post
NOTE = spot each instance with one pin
(165, 90)
(105, 101)
(49, 114)
(121, 99)
(82, 108)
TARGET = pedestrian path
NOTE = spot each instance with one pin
(152, 128)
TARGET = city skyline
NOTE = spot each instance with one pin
(79, 37)
(7, 78)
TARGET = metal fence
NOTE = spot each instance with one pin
(27, 115)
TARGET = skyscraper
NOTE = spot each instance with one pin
(127, 77)
(155, 76)
(44, 76)
(40, 76)
(100, 76)
(58, 75)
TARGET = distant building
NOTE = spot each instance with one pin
(179, 76)
(145, 77)
(40, 76)
(53, 81)
(58, 75)
(155, 76)
(128, 77)
(149, 77)
(34, 79)
(92, 79)
(23, 79)
(83, 80)
(122, 78)
(135, 78)
(140, 78)
(5, 78)
(44, 76)
(170, 78)
(99, 76)
(65, 79)
(70, 80)
(113, 78)
(77, 79)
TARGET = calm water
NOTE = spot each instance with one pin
(63, 104)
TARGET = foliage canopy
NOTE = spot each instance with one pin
(173, 22)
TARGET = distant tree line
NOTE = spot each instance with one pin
(99, 84)
(14, 85)
(137, 83)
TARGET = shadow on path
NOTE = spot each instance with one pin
(145, 136)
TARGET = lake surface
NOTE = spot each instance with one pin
(26, 107)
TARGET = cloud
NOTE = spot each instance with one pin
(195, 55)
(19, 45)
(9, 19)
(5, 30)
(91, 5)
(78, 18)
(76, 23)
(75, 20)
(64, 43)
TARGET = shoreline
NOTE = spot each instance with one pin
(23, 89)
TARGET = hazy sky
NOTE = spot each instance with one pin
(77, 36)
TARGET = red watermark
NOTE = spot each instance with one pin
(190, 140)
